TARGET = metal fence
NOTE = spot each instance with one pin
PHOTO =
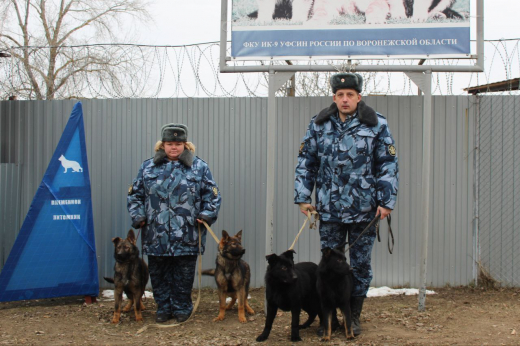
(499, 189)
(230, 136)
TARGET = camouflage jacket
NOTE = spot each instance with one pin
(170, 196)
(353, 165)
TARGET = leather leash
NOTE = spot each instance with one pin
(142, 258)
(210, 231)
(391, 234)
(312, 225)
(376, 221)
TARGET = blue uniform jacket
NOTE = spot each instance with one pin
(353, 165)
(170, 196)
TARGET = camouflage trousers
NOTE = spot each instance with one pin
(172, 282)
(333, 234)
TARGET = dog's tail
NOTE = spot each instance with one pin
(209, 272)
(107, 279)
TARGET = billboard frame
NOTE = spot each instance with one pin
(477, 67)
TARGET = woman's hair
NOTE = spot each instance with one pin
(187, 145)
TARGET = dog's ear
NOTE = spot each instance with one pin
(326, 252)
(239, 235)
(341, 247)
(225, 235)
(271, 259)
(131, 236)
(289, 254)
(116, 240)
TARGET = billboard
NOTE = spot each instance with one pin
(321, 29)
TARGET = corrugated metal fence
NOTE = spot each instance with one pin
(230, 134)
(499, 188)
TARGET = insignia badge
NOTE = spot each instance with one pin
(301, 147)
(342, 80)
(391, 150)
(215, 191)
(175, 134)
(130, 190)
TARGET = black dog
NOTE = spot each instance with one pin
(335, 283)
(130, 276)
(290, 287)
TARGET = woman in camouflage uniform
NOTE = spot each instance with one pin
(173, 192)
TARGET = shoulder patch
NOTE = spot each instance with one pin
(215, 191)
(391, 150)
(130, 190)
(301, 147)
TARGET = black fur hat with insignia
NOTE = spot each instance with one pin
(346, 81)
(174, 133)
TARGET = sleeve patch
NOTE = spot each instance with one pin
(391, 150)
(130, 190)
(215, 191)
(301, 147)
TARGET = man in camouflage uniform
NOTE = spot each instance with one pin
(349, 155)
(172, 194)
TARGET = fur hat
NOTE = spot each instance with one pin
(174, 133)
(346, 81)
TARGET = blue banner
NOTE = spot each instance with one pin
(344, 43)
(54, 254)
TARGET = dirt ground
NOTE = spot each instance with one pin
(453, 316)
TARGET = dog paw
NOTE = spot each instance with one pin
(326, 338)
(114, 321)
(319, 332)
(296, 338)
(218, 318)
(242, 320)
(261, 338)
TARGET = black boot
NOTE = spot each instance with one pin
(356, 305)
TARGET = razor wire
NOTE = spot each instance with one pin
(152, 71)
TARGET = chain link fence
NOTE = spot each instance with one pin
(499, 190)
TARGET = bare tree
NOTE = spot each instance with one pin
(50, 41)
(3, 13)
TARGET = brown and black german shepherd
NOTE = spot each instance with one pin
(130, 276)
(232, 276)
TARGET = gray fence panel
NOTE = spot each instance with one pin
(9, 207)
(230, 134)
(499, 188)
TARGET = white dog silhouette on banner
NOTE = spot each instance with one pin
(70, 164)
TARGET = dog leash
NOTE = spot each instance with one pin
(312, 225)
(196, 305)
(142, 258)
(210, 231)
(376, 221)
(391, 234)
